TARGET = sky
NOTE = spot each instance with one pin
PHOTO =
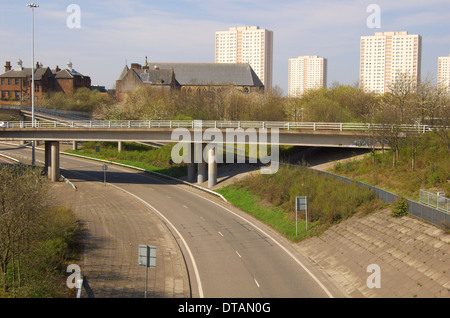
(114, 33)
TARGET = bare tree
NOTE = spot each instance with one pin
(443, 119)
(397, 109)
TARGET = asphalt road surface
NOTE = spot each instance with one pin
(228, 253)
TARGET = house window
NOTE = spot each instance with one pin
(9, 81)
(17, 81)
(17, 94)
(3, 81)
(3, 95)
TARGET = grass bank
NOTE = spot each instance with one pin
(271, 198)
(136, 155)
(431, 168)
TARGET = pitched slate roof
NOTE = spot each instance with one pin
(26, 72)
(124, 72)
(66, 73)
(155, 76)
(211, 73)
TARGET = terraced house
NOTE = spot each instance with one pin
(15, 84)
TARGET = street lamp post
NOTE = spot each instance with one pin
(32, 6)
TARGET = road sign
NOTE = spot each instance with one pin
(104, 167)
(147, 258)
(301, 204)
(147, 255)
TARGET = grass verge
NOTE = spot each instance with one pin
(271, 198)
(136, 155)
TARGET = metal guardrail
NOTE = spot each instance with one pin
(422, 211)
(311, 126)
(435, 200)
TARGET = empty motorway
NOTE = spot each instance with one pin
(228, 253)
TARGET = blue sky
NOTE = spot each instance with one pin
(115, 32)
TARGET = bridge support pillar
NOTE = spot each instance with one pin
(48, 159)
(191, 163)
(119, 146)
(52, 160)
(75, 145)
(55, 161)
(212, 166)
(201, 172)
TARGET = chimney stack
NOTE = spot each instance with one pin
(19, 65)
(136, 66)
(8, 66)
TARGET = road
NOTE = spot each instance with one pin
(229, 254)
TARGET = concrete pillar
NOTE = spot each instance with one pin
(75, 145)
(212, 166)
(22, 119)
(119, 146)
(201, 172)
(48, 159)
(55, 161)
(190, 162)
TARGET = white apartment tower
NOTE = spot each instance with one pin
(306, 72)
(443, 78)
(248, 44)
(387, 55)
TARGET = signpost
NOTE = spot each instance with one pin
(104, 167)
(147, 258)
(301, 204)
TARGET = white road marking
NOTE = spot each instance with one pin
(194, 264)
(238, 254)
(330, 295)
(256, 282)
(215, 203)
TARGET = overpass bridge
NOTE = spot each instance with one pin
(198, 137)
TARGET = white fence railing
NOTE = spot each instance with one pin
(435, 200)
(313, 126)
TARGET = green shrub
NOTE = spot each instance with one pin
(400, 207)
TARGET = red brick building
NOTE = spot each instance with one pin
(15, 84)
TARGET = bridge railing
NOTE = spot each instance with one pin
(312, 126)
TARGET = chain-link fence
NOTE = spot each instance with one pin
(435, 214)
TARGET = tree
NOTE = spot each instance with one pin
(23, 200)
(397, 109)
(324, 109)
(293, 109)
(443, 119)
